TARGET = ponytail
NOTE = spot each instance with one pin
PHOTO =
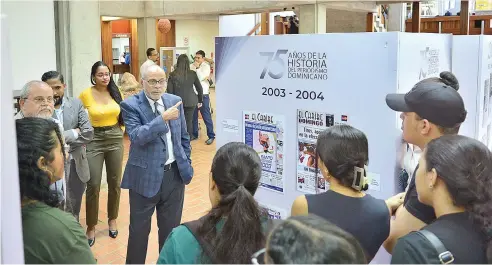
(241, 235)
(481, 214)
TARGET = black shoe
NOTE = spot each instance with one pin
(91, 241)
(193, 138)
(113, 234)
(209, 141)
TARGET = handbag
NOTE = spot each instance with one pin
(444, 255)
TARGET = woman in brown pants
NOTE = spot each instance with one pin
(102, 101)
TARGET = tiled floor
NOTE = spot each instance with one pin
(108, 250)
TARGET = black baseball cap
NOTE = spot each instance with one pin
(435, 99)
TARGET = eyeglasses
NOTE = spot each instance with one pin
(41, 100)
(258, 257)
(153, 82)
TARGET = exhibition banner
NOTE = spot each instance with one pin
(264, 132)
(277, 94)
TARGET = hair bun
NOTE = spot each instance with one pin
(449, 79)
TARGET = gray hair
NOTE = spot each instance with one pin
(26, 89)
(151, 68)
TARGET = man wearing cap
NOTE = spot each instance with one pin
(431, 109)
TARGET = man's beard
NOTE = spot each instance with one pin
(45, 114)
(58, 100)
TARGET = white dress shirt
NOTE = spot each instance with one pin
(169, 141)
(59, 117)
(202, 72)
(145, 65)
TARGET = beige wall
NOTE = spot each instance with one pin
(133, 9)
(201, 35)
(345, 21)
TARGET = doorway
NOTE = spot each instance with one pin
(169, 57)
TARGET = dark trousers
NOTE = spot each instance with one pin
(207, 118)
(189, 112)
(169, 204)
(75, 191)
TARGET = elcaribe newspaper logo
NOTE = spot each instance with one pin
(294, 65)
(429, 62)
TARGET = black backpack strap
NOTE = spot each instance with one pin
(193, 226)
(444, 256)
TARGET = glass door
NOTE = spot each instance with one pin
(169, 57)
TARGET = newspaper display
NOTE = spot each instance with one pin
(264, 132)
(309, 125)
(274, 212)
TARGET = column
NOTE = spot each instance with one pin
(79, 42)
(312, 19)
(146, 37)
(396, 17)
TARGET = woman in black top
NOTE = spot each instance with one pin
(455, 178)
(180, 83)
(342, 152)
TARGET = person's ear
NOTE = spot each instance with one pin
(432, 178)
(42, 164)
(21, 102)
(425, 127)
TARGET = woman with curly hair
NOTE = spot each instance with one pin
(454, 177)
(129, 85)
(50, 235)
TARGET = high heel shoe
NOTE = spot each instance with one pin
(91, 241)
(113, 233)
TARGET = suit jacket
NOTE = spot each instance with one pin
(75, 116)
(144, 171)
(185, 89)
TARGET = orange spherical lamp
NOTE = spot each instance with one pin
(164, 25)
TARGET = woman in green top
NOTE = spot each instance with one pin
(232, 231)
(50, 235)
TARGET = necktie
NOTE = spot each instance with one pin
(158, 113)
(156, 110)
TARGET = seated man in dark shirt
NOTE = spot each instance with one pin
(431, 109)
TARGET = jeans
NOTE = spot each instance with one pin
(207, 118)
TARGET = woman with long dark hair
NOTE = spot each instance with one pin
(102, 101)
(455, 178)
(232, 231)
(50, 235)
(185, 83)
(343, 154)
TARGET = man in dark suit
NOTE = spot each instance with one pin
(77, 132)
(159, 163)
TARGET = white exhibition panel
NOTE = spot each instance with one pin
(472, 65)
(11, 249)
(355, 73)
(31, 39)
